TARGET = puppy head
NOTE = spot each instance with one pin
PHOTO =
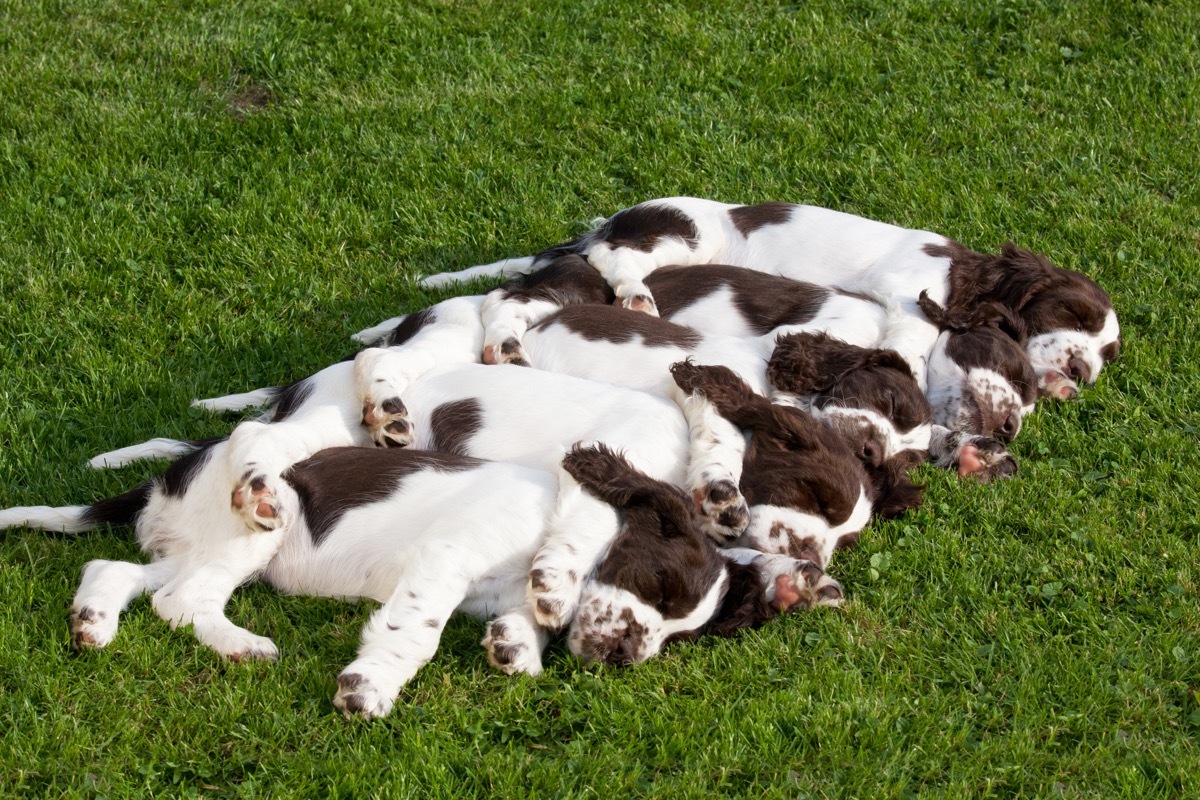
(979, 377)
(868, 395)
(806, 490)
(1071, 325)
(661, 577)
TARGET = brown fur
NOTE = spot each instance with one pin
(791, 459)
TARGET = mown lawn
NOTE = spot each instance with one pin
(201, 197)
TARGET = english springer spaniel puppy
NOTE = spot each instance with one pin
(868, 396)
(426, 534)
(1072, 327)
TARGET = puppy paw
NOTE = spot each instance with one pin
(985, 458)
(801, 585)
(357, 695)
(242, 645)
(642, 303)
(512, 645)
(1058, 386)
(91, 627)
(387, 422)
(724, 512)
(256, 499)
(509, 352)
(554, 596)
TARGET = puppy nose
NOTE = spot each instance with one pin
(1078, 369)
(1008, 430)
(621, 654)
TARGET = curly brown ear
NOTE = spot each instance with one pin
(895, 492)
(733, 399)
(744, 605)
(808, 363)
(935, 313)
(609, 477)
(990, 313)
(1002, 317)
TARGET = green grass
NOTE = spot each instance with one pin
(197, 199)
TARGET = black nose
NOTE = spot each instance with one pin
(1078, 369)
(1008, 430)
(871, 453)
(621, 654)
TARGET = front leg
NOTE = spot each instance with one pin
(626, 269)
(580, 530)
(453, 335)
(515, 641)
(381, 375)
(982, 457)
(714, 470)
(199, 591)
(790, 583)
(506, 318)
(106, 589)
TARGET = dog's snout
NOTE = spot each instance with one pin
(1009, 427)
(1078, 369)
(621, 654)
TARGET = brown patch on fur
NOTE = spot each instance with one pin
(748, 219)
(765, 301)
(644, 226)
(566, 280)
(617, 325)
(341, 478)
(453, 424)
(408, 327)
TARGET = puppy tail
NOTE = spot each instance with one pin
(120, 510)
(155, 448)
(505, 267)
(377, 333)
(237, 402)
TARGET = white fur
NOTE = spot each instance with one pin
(774, 529)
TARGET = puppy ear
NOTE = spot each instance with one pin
(609, 477)
(744, 605)
(807, 363)
(895, 492)
(990, 313)
(732, 398)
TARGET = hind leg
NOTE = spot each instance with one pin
(198, 593)
(106, 588)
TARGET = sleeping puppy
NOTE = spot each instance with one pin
(868, 396)
(426, 534)
(1072, 327)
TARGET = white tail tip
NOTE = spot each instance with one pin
(376, 333)
(66, 519)
(155, 448)
(505, 267)
(236, 402)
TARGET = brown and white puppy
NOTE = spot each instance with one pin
(1072, 325)
(795, 466)
(867, 395)
(470, 532)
